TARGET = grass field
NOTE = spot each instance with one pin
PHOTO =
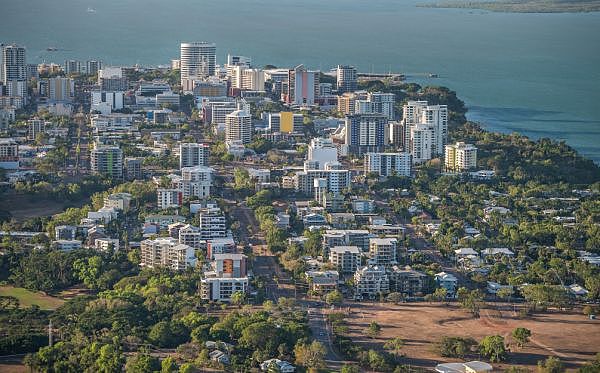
(27, 298)
(568, 335)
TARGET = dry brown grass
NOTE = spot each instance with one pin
(566, 334)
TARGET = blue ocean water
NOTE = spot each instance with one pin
(537, 74)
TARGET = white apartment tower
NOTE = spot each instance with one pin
(198, 60)
(238, 127)
(426, 129)
(387, 164)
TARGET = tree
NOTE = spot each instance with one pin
(551, 365)
(238, 298)
(521, 336)
(350, 369)
(110, 359)
(334, 297)
(394, 298)
(168, 365)
(440, 294)
(454, 346)
(373, 330)
(168, 334)
(310, 355)
(588, 310)
(142, 363)
(394, 344)
(273, 368)
(492, 347)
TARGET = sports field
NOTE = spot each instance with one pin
(27, 298)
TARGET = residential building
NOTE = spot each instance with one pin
(14, 71)
(370, 281)
(212, 223)
(107, 101)
(383, 251)
(238, 127)
(347, 237)
(169, 197)
(220, 289)
(285, 122)
(9, 154)
(132, 169)
(421, 143)
(388, 164)
(35, 126)
(322, 282)
(407, 281)
(346, 79)
(108, 161)
(220, 245)
(318, 182)
(363, 206)
(166, 252)
(111, 79)
(447, 281)
(66, 245)
(61, 89)
(376, 103)
(302, 87)
(197, 60)
(366, 133)
(193, 154)
(426, 129)
(460, 157)
(321, 151)
(65, 232)
(345, 258)
(119, 201)
(282, 366)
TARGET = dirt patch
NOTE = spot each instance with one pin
(567, 334)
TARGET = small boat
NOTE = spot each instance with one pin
(91, 10)
(433, 75)
(52, 49)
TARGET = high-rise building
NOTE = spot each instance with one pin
(197, 60)
(112, 79)
(366, 133)
(108, 161)
(238, 127)
(169, 197)
(421, 142)
(72, 67)
(382, 251)
(193, 154)
(376, 103)
(14, 71)
(196, 181)
(346, 79)
(233, 60)
(460, 157)
(286, 122)
(166, 252)
(321, 151)
(242, 77)
(429, 125)
(92, 67)
(61, 89)
(302, 86)
(387, 164)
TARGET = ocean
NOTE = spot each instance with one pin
(536, 74)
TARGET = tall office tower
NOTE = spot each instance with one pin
(14, 71)
(92, 67)
(366, 133)
(346, 79)
(108, 161)
(61, 89)
(72, 67)
(460, 157)
(238, 127)
(302, 87)
(421, 142)
(197, 60)
(387, 164)
(193, 154)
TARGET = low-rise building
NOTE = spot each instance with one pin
(383, 251)
(166, 252)
(447, 281)
(371, 281)
(322, 282)
(407, 281)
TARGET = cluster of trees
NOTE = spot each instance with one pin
(491, 347)
(261, 203)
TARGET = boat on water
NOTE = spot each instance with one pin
(91, 10)
(52, 49)
(433, 75)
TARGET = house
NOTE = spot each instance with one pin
(105, 243)
(282, 365)
(493, 287)
(314, 220)
(282, 220)
(66, 244)
(468, 367)
(363, 206)
(496, 253)
(219, 356)
(341, 220)
(577, 291)
(447, 281)
(464, 252)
